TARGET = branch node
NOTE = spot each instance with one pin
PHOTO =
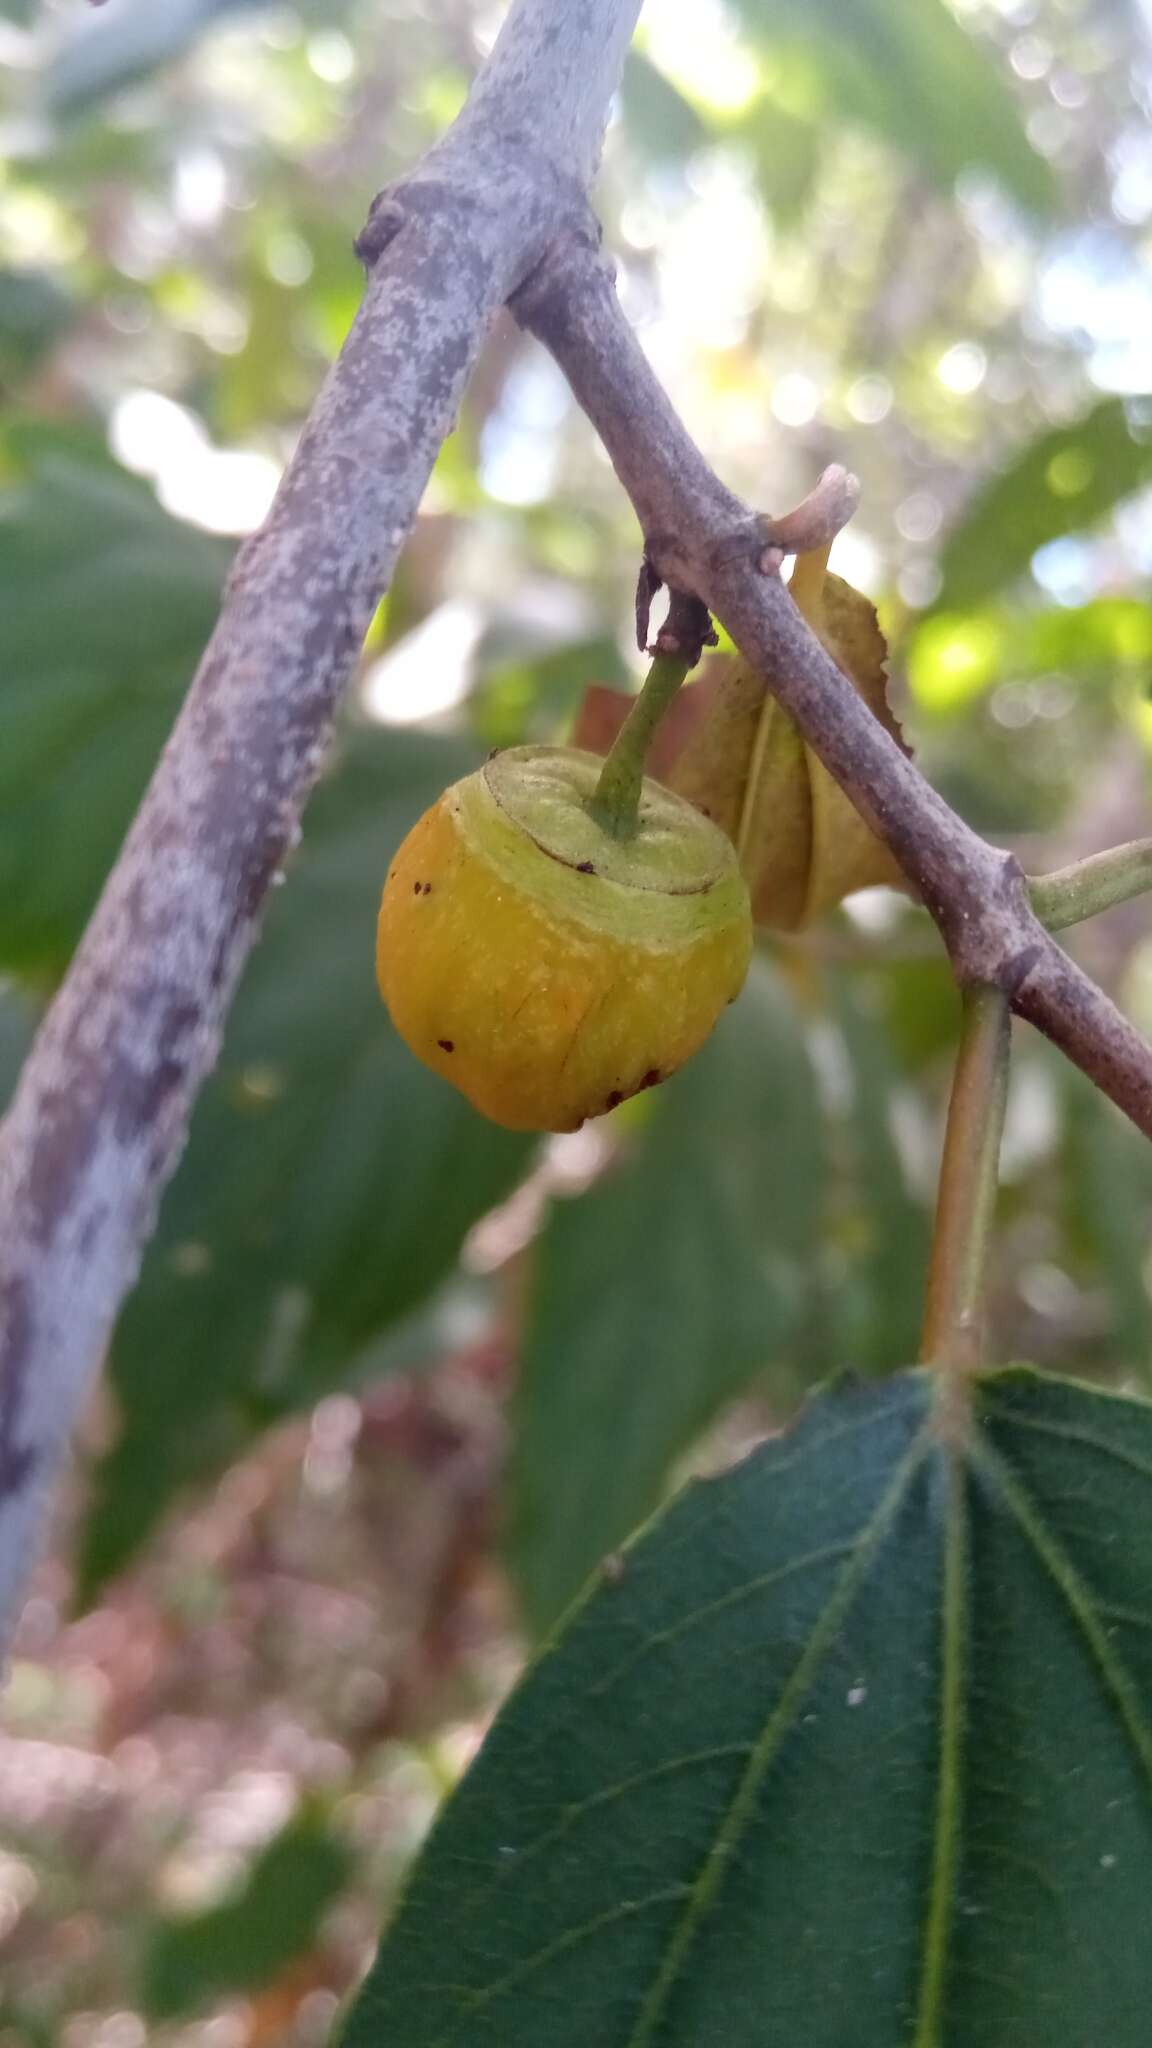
(687, 630)
(582, 233)
(384, 222)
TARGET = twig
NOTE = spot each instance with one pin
(815, 523)
(699, 537)
(1068, 895)
(99, 1119)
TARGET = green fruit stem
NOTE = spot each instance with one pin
(954, 1315)
(616, 802)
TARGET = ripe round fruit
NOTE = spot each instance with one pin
(544, 966)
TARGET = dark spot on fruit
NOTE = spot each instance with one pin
(585, 867)
(446, 1044)
(416, 888)
(614, 1100)
(651, 1078)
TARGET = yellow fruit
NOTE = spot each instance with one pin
(545, 967)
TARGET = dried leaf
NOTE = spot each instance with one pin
(846, 854)
(803, 845)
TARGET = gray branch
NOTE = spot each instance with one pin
(702, 540)
(99, 1119)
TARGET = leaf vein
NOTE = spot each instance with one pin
(475, 2000)
(1010, 1418)
(949, 1804)
(1111, 1672)
(741, 1808)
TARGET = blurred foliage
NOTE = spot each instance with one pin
(1063, 481)
(908, 71)
(251, 1937)
(679, 1278)
(906, 234)
(106, 603)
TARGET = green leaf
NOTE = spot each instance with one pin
(854, 1746)
(251, 1937)
(918, 1000)
(955, 656)
(906, 69)
(787, 151)
(139, 38)
(26, 2028)
(1108, 1204)
(329, 1181)
(662, 1292)
(34, 311)
(664, 125)
(103, 55)
(15, 1038)
(874, 1312)
(536, 696)
(1062, 482)
(106, 603)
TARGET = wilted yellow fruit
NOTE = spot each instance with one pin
(545, 967)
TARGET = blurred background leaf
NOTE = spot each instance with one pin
(16, 1023)
(1065, 480)
(1108, 1185)
(34, 312)
(908, 70)
(107, 602)
(879, 1241)
(679, 1279)
(958, 655)
(133, 38)
(665, 124)
(247, 1940)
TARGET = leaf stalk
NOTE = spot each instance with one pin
(955, 1310)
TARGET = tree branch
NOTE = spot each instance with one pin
(699, 538)
(99, 1119)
